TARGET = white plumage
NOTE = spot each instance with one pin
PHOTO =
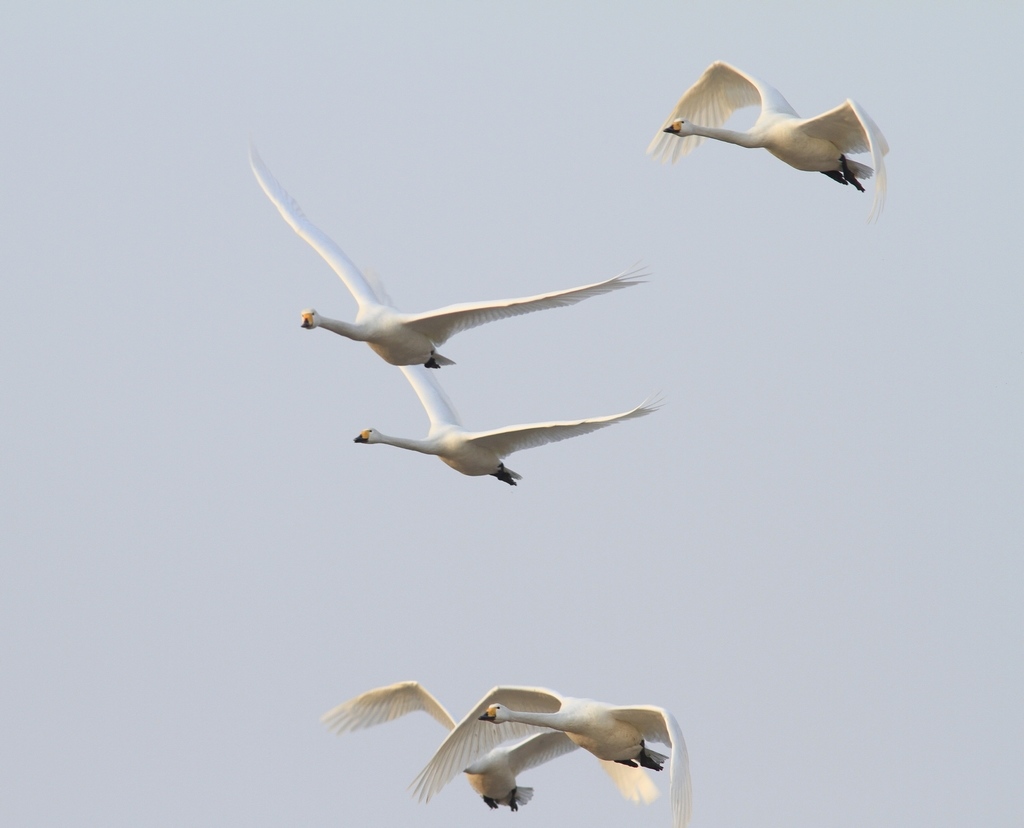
(611, 733)
(409, 338)
(493, 775)
(481, 452)
(816, 144)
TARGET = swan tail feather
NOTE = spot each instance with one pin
(859, 170)
(523, 795)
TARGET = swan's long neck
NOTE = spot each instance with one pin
(346, 329)
(730, 136)
(422, 446)
(552, 720)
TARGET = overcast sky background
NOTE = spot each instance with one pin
(811, 554)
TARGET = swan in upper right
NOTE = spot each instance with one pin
(493, 776)
(816, 144)
(409, 338)
(611, 733)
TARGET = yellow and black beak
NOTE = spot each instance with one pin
(488, 717)
(307, 320)
(362, 438)
(672, 129)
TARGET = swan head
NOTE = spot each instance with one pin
(367, 436)
(310, 319)
(678, 127)
(495, 713)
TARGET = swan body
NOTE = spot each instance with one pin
(818, 144)
(481, 452)
(493, 775)
(409, 338)
(613, 734)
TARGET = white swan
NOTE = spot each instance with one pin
(615, 734)
(817, 144)
(493, 776)
(481, 452)
(409, 338)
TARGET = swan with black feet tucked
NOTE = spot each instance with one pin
(410, 338)
(482, 452)
(493, 776)
(818, 144)
(611, 733)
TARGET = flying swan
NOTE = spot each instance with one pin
(409, 338)
(612, 734)
(816, 144)
(481, 452)
(493, 776)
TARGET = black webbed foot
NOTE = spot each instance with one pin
(629, 763)
(647, 761)
(849, 176)
(503, 475)
(835, 175)
(490, 803)
(512, 804)
(431, 363)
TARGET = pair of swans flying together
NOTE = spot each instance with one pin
(482, 452)
(818, 144)
(493, 774)
(410, 341)
(409, 338)
(618, 735)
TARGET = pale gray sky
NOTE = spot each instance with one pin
(811, 554)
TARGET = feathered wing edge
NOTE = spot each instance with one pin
(441, 324)
(539, 749)
(473, 738)
(659, 725)
(383, 704)
(316, 238)
(507, 440)
(718, 92)
(879, 147)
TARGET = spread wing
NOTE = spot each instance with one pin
(439, 408)
(383, 704)
(537, 750)
(292, 213)
(711, 101)
(472, 738)
(851, 129)
(658, 725)
(504, 441)
(439, 325)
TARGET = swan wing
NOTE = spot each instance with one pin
(439, 408)
(633, 783)
(504, 441)
(711, 101)
(473, 738)
(439, 325)
(377, 286)
(538, 749)
(852, 130)
(383, 704)
(292, 213)
(657, 724)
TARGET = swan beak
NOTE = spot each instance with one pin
(488, 717)
(361, 439)
(307, 320)
(671, 130)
